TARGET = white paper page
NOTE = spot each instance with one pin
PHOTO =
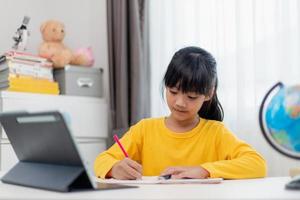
(156, 180)
(144, 180)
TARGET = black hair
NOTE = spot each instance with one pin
(193, 69)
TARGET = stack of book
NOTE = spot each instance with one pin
(24, 72)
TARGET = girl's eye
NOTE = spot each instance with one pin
(173, 92)
(192, 97)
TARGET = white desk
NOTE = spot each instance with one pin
(268, 188)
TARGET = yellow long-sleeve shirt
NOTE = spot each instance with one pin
(209, 145)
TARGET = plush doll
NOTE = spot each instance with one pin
(53, 48)
(84, 56)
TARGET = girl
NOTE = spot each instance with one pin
(191, 142)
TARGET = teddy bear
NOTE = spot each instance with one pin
(53, 48)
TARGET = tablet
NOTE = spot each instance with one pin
(48, 154)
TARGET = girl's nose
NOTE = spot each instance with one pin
(180, 102)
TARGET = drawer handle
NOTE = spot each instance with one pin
(85, 82)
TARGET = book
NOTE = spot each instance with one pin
(159, 180)
(4, 85)
(4, 75)
(29, 81)
(36, 71)
(29, 84)
(18, 55)
(43, 91)
(3, 66)
(28, 62)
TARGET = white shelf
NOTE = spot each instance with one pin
(86, 117)
(30, 96)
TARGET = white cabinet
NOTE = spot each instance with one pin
(8, 157)
(85, 116)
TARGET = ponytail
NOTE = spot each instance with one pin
(212, 109)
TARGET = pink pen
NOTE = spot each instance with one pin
(120, 145)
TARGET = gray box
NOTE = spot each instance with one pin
(80, 81)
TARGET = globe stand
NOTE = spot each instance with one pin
(294, 184)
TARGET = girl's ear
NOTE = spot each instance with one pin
(212, 92)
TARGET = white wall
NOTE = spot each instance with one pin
(85, 22)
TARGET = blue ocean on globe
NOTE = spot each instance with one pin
(283, 118)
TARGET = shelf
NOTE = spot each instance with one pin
(86, 116)
(23, 95)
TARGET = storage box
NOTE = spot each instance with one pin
(80, 81)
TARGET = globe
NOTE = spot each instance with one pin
(279, 119)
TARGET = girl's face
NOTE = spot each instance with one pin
(184, 106)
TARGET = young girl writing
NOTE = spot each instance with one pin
(191, 142)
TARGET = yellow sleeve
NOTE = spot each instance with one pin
(132, 143)
(238, 160)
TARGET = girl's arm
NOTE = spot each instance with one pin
(132, 143)
(238, 160)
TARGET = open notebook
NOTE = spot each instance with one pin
(158, 180)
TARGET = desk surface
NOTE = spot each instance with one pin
(267, 188)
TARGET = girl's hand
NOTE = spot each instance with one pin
(186, 172)
(126, 169)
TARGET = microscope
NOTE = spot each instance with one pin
(21, 35)
(20, 38)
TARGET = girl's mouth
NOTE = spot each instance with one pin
(181, 111)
